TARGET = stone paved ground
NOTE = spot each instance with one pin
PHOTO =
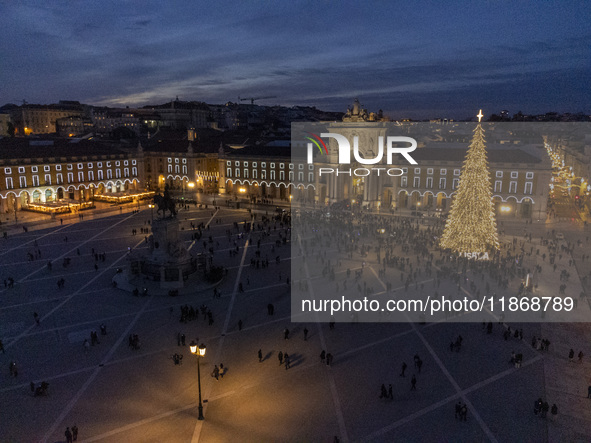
(114, 393)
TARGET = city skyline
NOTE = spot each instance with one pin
(417, 61)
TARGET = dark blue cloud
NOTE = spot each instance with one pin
(408, 58)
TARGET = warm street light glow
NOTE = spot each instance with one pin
(242, 190)
(191, 185)
(505, 208)
(200, 352)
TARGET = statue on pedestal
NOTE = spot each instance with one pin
(165, 203)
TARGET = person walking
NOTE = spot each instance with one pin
(280, 357)
(68, 435)
(260, 355)
(390, 394)
(323, 356)
(413, 383)
(287, 361)
(305, 334)
(403, 369)
(74, 432)
(216, 373)
(286, 334)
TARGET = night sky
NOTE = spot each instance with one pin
(411, 59)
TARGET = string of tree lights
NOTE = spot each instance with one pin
(471, 228)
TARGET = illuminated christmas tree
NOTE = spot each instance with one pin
(471, 228)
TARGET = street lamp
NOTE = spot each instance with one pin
(200, 352)
(151, 206)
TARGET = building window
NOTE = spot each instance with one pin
(301, 176)
(109, 173)
(528, 188)
(529, 175)
(310, 167)
(290, 176)
(99, 165)
(254, 173)
(429, 171)
(176, 160)
(90, 176)
(429, 182)
(70, 167)
(263, 164)
(9, 183)
(134, 171)
(177, 169)
(455, 183)
(263, 175)
(513, 174)
(442, 183)
(47, 179)
(301, 166)
(272, 174)
(443, 172)
(281, 175)
(456, 172)
(80, 176)
(169, 160)
(34, 169)
(46, 168)
(133, 162)
(416, 182)
(170, 169)
(35, 180)
(108, 164)
(237, 163)
(23, 182)
(246, 173)
(499, 174)
(185, 169)
(281, 165)
(21, 169)
(512, 187)
(7, 171)
(291, 166)
(254, 164)
(403, 181)
(184, 161)
(100, 175)
(498, 185)
(417, 171)
(59, 178)
(229, 172)
(90, 165)
(70, 177)
(246, 164)
(228, 163)
(310, 176)
(237, 172)
(126, 172)
(272, 165)
(80, 166)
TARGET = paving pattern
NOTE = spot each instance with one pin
(114, 393)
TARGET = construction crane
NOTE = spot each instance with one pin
(252, 99)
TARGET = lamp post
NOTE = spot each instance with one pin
(152, 211)
(200, 352)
